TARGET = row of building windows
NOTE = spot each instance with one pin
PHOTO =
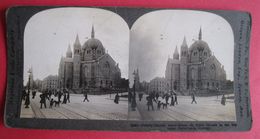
(196, 53)
(98, 51)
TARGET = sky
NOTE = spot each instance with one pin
(154, 36)
(48, 34)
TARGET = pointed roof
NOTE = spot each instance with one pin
(69, 52)
(77, 42)
(200, 34)
(184, 42)
(93, 32)
(176, 53)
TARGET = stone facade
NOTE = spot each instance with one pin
(195, 68)
(90, 66)
(158, 85)
(50, 82)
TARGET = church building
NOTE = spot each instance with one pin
(195, 68)
(89, 66)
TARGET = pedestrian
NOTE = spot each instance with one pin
(68, 96)
(193, 98)
(140, 96)
(27, 100)
(133, 101)
(157, 96)
(33, 94)
(172, 101)
(223, 100)
(85, 95)
(116, 98)
(43, 100)
(158, 104)
(59, 96)
(167, 98)
(64, 97)
(149, 102)
(175, 99)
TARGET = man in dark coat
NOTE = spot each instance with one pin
(43, 100)
(149, 102)
(85, 92)
(116, 98)
(33, 94)
(193, 98)
(68, 96)
(140, 95)
(64, 97)
(175, 99)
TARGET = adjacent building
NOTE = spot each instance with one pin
(158, 85)
(50, 82)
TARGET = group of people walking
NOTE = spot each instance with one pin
(55, 97)
(161, 101)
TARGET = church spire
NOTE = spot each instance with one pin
(69, 52)
(92, 32)
(184, 43)
(176, 53)
(200, 34)
(77, 42)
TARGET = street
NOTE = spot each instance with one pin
(206, 109)
(100, 107)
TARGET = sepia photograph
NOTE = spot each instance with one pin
(181, 67)
(75, 65)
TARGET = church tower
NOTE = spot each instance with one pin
(76, 62)
(183, 65)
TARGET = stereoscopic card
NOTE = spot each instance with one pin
(127, 69)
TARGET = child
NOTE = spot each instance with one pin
(51, 103)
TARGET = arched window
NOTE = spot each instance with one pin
(98, 52)
(205, 54)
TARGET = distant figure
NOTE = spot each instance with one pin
(27, 100)
(172, 101)
(68, 96)
(56, 101)
(85, 95)
(175, 99)
(193, 98)
(59, 96)
(167, 98)
(223, 100)
(116, 98)
(140, 95)
(133, 101)
(159, 105)
(43, 100)
(64, 97)
(51, 103)
(149, 102)
(157, 96)
(33, 94)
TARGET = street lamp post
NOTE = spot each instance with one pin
(27, 99)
